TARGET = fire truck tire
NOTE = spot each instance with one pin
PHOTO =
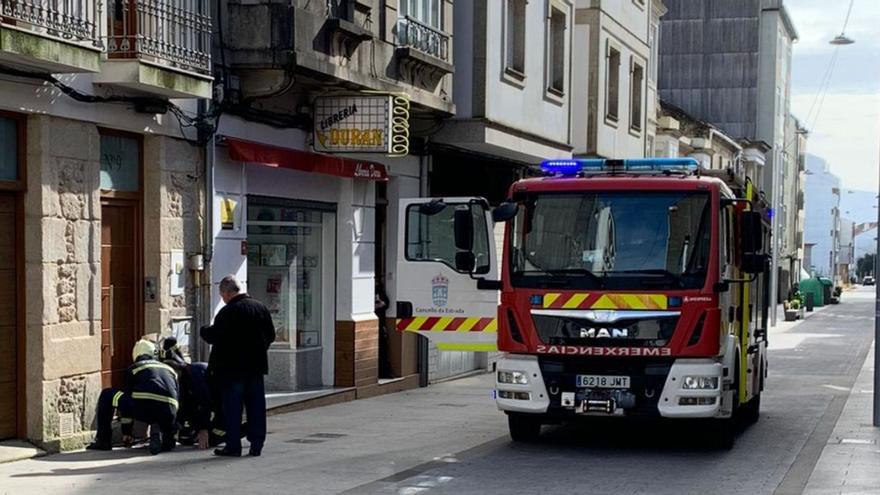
(523, 427)
(723, 433)
(751, 411)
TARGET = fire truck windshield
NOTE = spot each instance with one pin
(612, 240)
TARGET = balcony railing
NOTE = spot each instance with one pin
(68, 20)
(176, 33)
(422, 37)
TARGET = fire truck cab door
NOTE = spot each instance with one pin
(434, 297)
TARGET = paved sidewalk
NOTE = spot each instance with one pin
(325, 450)
(850, 462)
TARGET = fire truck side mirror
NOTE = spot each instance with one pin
(464, 230)
(465, 261)
(505, 212)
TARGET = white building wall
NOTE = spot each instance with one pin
(623, 25)
(527, 107)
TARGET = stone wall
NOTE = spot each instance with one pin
(63, 265)
(62, 257)
(173, 191)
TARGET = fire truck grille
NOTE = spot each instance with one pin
(632, 332)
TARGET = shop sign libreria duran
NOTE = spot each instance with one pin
(362, 124)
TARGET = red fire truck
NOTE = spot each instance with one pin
(632, 288)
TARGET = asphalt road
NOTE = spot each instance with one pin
(450, 438)
(812, 367)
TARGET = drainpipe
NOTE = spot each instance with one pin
(204, 290)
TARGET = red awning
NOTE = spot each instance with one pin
(272, 156)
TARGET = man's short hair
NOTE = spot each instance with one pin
(230, 285)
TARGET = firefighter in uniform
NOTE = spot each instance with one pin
(149, 395)
(199, 418)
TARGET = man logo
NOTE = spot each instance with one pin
(440, 290)
(604, 333)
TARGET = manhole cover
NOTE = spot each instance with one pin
(305, 440)
(328, 435)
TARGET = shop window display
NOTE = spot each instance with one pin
(284, 255)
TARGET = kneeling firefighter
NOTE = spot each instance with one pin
(149, 394)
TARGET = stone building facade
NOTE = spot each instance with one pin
(63, 243)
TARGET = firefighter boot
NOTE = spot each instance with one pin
(155, 439)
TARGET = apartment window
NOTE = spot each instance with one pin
(425, 11)
(515, 37)
(637, 79)
(612, 83)
(556, 55)
(341, 9)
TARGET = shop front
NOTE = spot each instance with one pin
(297, 229)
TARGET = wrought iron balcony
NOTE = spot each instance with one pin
(422, 37)
(67, 20)
(173, 33)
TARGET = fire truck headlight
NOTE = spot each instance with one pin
(700, 383)
(513, 377)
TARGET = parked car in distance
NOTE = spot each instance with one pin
(869, 280)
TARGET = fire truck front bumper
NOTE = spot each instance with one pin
(679, 388)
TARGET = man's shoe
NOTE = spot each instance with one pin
(226, 453)
(99, 446)
(254, 453)
(155, 439)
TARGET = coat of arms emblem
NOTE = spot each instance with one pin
(440, 290)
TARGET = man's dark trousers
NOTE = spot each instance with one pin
(249, 393)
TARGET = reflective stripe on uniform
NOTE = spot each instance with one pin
(116, 397)
(218, 432)
(156, 397)
(151, 365)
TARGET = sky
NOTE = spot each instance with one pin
(845, 124)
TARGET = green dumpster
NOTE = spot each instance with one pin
(812, 288)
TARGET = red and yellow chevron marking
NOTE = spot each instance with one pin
(447, 324)
(585, 300)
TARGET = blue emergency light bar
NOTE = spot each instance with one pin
(574, 166)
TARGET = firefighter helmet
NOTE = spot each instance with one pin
(142, 347)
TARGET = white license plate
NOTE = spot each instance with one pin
(602, 381)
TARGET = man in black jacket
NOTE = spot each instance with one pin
(240, 339)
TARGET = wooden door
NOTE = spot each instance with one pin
(121, 306)
(9, 361)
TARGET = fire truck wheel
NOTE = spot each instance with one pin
(751, 411)
(523, 428)
(723, 433)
